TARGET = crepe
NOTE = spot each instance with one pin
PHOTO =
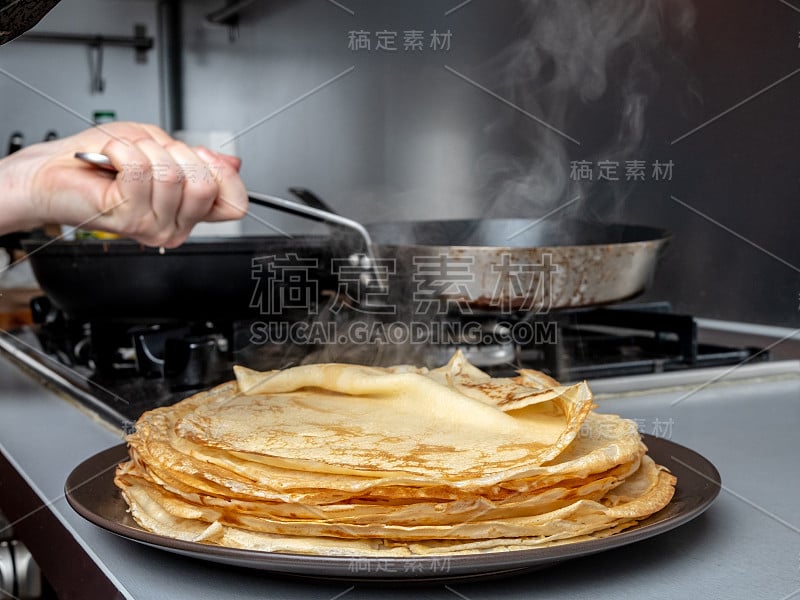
(335, 418)
(340, 459)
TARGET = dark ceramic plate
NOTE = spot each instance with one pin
(90, 490)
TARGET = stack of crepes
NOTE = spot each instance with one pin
(344, 460)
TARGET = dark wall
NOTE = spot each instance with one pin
(740, 260)
(401, 137)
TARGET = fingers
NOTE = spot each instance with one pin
(144, 199)
(200, 188)
(162, 188)
(231, 202)
(161, 192)
(121, 209)
(166, 188)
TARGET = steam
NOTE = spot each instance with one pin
(583, 66)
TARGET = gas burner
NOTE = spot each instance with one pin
(485, 356)
(628, 340)
(486, 343)
(185, 355)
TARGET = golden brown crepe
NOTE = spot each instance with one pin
(361, 461)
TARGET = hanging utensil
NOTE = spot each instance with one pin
(15, 142)
(97, 84)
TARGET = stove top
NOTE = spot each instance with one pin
(120, 369)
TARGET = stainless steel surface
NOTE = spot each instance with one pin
(96, 159)
(744, 375)
(70, 383)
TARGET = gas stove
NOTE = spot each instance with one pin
(118, 369)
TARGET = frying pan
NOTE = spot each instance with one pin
(500, 264)
(202, 280)
(488, 264)
(520, 264)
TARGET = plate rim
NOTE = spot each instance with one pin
(423, 568)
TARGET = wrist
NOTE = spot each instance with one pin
(20, 207)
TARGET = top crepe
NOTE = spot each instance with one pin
(373, 422)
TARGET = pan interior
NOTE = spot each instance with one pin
(509, 233)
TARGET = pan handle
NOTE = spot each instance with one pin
(323, 216)
(311, 213)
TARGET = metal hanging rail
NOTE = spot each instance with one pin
(139, 41)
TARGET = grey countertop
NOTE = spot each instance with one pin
(746, 546)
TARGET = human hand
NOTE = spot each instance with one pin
(162, 188)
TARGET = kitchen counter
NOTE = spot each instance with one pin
(747, 545)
